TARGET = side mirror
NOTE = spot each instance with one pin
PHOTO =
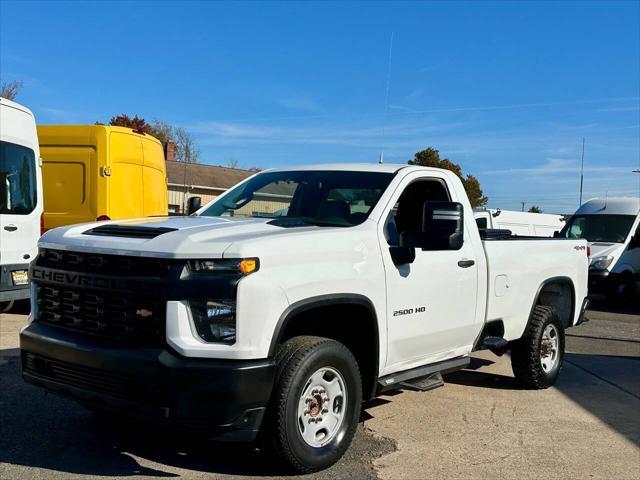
(556, 234)
(442, 228)
(193, 205)
(402, 255)
(635, 241)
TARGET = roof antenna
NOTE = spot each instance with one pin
(386, 97)
(582, 172)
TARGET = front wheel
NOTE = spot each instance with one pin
(315, 404)
(6, 306)
(536, 358)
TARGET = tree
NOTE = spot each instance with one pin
(186, 149)
(430, 157)
(135, 123)
(535, 209)
(10, 90)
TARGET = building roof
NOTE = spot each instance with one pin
(200, 174)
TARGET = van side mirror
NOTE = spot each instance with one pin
(635, 241)
(556, 234)
(442, 228)
(193, 205)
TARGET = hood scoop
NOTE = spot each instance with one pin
(129, 231)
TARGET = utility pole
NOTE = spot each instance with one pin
(582, 172)
(523, 203)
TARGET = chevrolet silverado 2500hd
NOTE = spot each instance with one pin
(290, 299)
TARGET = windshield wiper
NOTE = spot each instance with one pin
(303, 222)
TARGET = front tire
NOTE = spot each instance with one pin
(316, 403)
(536, 358)
(6, 306)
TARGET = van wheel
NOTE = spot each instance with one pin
(536, 358)
(6, 306)
(315, 404)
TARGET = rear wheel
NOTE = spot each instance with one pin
(315, 404)
(536, 358)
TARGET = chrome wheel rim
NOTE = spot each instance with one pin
(321, 408)
(549, 348)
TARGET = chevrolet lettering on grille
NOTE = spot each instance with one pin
(76, 279)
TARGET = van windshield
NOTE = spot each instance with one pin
(17, 179)
(599, 228)
(297, 198)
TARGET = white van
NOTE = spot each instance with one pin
(20, 200)
(612, 227)
(520, 223)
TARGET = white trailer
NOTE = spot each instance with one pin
(520, 223)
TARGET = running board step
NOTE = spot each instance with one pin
(423, 384)
(494, 343)
(408, 378)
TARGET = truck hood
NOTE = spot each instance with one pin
(177, 237)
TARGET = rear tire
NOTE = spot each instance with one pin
(536, 358)
(315, 405)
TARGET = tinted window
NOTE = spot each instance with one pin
(599, 228)
(17, 179)
(481, 222)
(322, 197)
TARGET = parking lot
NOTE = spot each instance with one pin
(479, 425)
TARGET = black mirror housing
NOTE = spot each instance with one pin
(442, 228)
(193, 205)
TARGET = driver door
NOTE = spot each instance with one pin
(431, 303)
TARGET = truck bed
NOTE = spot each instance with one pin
(517, 269)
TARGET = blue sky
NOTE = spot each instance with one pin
(508, 90)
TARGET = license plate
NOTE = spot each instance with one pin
(20, 277)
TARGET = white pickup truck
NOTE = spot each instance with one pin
(276, 310)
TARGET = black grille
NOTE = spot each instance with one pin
(103, 264)
(91, 379)
(122, 315)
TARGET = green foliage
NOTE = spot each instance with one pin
(430, 157)
(535, 209)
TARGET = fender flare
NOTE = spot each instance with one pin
(311, 303)
(561, 280)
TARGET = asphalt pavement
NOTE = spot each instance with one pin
(479, 425)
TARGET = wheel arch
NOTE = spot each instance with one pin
(551, 293)
(361, 337)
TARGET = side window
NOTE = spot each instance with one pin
(406, 215)
(481, 222)
(577, 229)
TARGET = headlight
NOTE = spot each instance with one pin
(601, 263)
(214, 320)
(243, 266)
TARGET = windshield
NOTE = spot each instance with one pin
(319, 197)
(599, 228)
(17, 179)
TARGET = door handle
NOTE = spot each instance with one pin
(10, 228)
(466, 263)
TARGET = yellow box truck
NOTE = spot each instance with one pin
(97, 172)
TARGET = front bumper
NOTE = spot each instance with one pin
(226, 398)
(600, 281)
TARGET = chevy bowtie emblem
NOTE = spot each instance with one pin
(143, 312)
